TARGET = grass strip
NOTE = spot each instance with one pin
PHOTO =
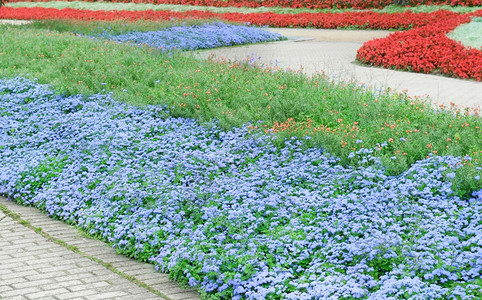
(116, 27)
(18, 218)
(180, 8)
(343, 118)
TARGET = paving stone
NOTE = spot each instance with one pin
(15, 275)
(50, 293)
(33, 267)
(4, 288)
(183, 296)
(28, 284)
(109, 295)
(11, 281)
(17, 298)
(81, 293)
(20, 292)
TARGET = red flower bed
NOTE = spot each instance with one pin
(427, 50)
(366, 19)
(313, 4)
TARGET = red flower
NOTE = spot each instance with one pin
(426, 49)
(313, 4)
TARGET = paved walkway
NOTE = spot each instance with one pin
(333, 52)
(42, 258)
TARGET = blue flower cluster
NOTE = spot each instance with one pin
(206, 36)
(231, 213)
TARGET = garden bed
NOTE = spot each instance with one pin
(426, 50)
(361, 20)
(311, 4)
(236, 179)
(230, 212)
(205, 36)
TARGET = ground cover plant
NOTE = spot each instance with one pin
(116, 27)
(311, 4)
(278, 10)
(469, 34)
(232, 213)
(426, 49)
(205, 36)
(337, 116)
(327, 20)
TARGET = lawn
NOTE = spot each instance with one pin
(241, 180)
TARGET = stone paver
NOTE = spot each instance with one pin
(33, 267)
(333, 52)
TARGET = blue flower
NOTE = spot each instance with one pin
(450, 175)
(231, 213)
(205, 36)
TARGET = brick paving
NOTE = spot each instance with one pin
(34, 267)
(333, 52)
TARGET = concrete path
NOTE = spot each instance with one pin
(41, 258)
(333, 52)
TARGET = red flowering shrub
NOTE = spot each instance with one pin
(365, 19)
(313, 4)
(427, 50)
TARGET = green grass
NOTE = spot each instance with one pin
(111, 27)
(132, 6)
(336, 116)
(469, 34)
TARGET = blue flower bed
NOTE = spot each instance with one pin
(206, 36)
(231, 213)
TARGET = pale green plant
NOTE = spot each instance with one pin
(469, 34)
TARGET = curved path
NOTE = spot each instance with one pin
(333, 52)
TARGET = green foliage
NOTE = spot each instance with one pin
(341, 117)
(469, 34)
(109, 27)
(37, 178)
(468, 177)
(102, 5)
